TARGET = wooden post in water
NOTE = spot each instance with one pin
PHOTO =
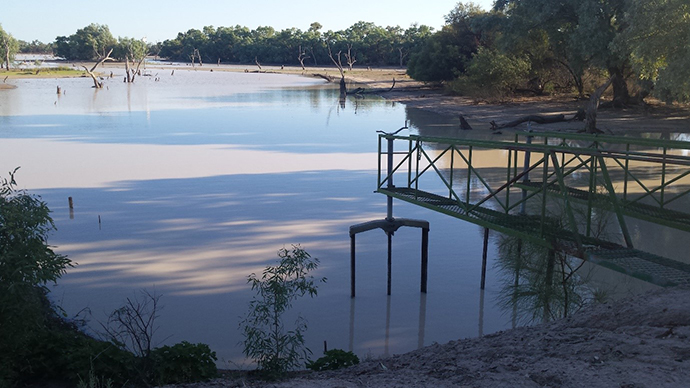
(486, 246)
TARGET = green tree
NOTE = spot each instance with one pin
(491, 75)
(90, 43)
(445, 54)
(266, 339)
(658, 36)
(581, 34)
(8, 48)
(27, 264)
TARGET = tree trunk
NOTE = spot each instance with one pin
(343, 86)
(591, 114)
(96, 84)
(621, 95)
(128, 77)
(7, 54)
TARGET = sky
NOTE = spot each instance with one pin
(158, 20)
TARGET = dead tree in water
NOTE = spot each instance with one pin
(339, 65)
(256, 60)
(350, 57)
(101, 59)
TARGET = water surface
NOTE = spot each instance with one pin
(187, 184)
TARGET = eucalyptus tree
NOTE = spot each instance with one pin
(445, 54)
(580, 35)
(657, 35)
(90, 43)
(8, 48)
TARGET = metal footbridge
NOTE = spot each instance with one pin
(552, 189)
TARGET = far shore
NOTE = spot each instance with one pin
(651, 117)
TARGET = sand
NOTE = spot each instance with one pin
(642, 341)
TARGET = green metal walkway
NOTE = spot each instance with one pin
(580, 177)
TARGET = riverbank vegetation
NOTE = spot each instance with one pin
(535, 47)
(39, 345)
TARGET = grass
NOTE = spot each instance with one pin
(54, 72)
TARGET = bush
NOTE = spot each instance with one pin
(266, 340)
(184, 363)
(27, 264)
(334, 359)
(491, 76)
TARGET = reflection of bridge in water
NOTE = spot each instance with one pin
(554, 190)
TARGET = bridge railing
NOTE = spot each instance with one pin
(537, 168)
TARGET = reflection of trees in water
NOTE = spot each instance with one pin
(540, 284)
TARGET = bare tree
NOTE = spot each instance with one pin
(256, 60)
(591, 114)
(136, 53)
(196, 54)
(339, 64)
(350, 57)
(301, 56)
(101, 58)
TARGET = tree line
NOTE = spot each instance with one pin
(639, 47)
(534, 46)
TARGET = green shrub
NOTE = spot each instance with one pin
(491, 76)
(275, 349)
(334, 359)
(184, 363)
(27, 264)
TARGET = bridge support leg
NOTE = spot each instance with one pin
(390, 226)
(425, 259)
(484, 253)
(390, 261)
(352, 265)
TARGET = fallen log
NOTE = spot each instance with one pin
(537, 119)
(324, 76)
(360, 91)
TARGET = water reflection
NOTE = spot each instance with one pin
(539, 284)
(190, 184)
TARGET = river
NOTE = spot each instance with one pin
(185, 183)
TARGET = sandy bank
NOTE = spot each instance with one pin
(643, 341)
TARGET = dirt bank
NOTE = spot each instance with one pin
(654, 116)
(643, 341)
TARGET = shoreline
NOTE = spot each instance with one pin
(651, 117)
(640, 341)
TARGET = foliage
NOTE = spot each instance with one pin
(658, 36)
(35, 47)
(540, 285)
(65, 353)
(445, 54)
(184, 363)
(27, 264)
(275, 348)
(491, 76)
(94, 382)
(371, 44)
(334, 359)
(9, 46)
(130, 49)
(87, 44)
